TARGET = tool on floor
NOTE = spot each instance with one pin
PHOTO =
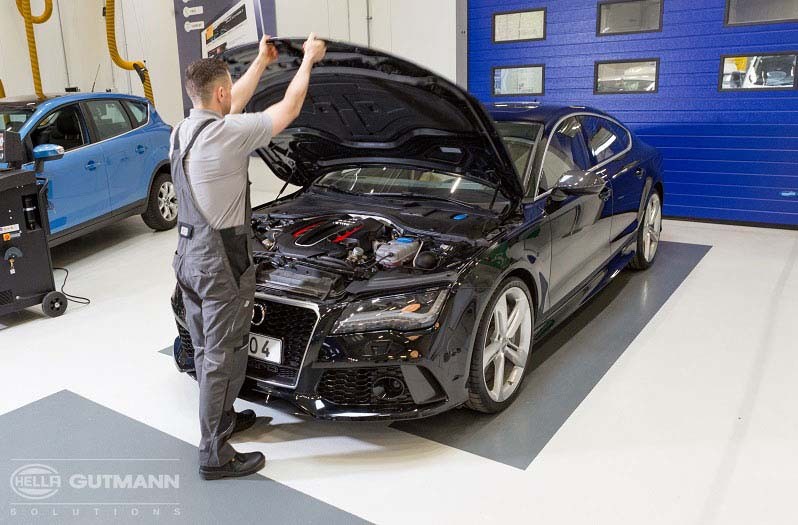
(26, 272)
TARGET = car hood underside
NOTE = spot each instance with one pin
(369, 107)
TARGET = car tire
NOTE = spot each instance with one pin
(648, 233)
(507, 347)
(161, 211)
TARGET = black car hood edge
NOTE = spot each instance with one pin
(368, 107)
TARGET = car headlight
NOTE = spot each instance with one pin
(395, 312)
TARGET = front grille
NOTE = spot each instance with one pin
(293, 325)
(354, 388)
(185, 357)
(6, 297)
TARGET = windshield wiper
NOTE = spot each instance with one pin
(408, 194)
(336, 190)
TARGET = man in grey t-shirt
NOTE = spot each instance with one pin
(213, 263)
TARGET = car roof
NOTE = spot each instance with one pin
(56, 99)
(546, 114)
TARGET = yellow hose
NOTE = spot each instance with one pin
(24, 9)
(137, 66)
(42, 18)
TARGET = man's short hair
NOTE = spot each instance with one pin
(202, 76)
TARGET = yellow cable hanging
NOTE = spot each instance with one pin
(138, 66)
(23, 6)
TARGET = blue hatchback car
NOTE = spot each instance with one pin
(116, 161)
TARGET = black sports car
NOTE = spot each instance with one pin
(432, 241)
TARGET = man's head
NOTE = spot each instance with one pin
(209, 85)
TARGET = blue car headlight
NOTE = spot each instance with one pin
(412, 311)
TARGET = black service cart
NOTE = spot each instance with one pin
(26, 272)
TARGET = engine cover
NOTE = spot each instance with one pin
(331, 236)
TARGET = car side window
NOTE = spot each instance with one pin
(519, 150)
(138, 111)
(63, 127)
(566, 152)
(109, 118)
(519, 140)
(605, 138)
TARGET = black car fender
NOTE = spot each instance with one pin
(647, 189)
(496, 264)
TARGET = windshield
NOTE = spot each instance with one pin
(12, 119)
(399, 181)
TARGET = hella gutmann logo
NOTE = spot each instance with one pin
(36, 482)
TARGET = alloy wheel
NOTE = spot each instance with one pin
(652, 227)
(167, 201)
(507, 344)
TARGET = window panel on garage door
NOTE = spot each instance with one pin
(741, 12)
(773, 71)
(636, 16)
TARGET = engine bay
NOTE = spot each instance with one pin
(320, 255)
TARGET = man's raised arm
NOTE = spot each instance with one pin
(245, 86)
(285, 111)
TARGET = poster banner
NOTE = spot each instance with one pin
(206, 28)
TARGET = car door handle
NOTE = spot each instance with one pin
(605, 193)
(140, 149)
(91, 165)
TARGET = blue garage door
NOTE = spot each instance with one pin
(711, 83)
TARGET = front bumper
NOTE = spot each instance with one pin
(367, 376)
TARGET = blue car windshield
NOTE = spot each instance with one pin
(400, 181)
(12, 119)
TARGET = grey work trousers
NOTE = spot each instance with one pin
(218, 315)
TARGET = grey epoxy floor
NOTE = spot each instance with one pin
(681, 414)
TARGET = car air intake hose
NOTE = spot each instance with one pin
(23, 6)
(137, 66)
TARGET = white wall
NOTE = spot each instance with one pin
(149, 33)
(423, 31)
(145, 30)
(334, 19)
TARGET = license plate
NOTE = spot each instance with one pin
(265, 348)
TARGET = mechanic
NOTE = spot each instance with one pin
(213, 263)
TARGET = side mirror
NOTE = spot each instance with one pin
(45, 152)
(580, 183)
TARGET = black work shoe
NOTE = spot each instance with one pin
(242, 464)
(244, 420)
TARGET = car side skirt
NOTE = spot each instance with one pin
(587, 290)
(135, 208)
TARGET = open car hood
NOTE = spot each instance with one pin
(368, 107)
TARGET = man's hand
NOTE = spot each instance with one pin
(288, 109)
(314, 49)
(244, 88)
(267, 51)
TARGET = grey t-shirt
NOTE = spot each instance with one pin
(217, 164)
